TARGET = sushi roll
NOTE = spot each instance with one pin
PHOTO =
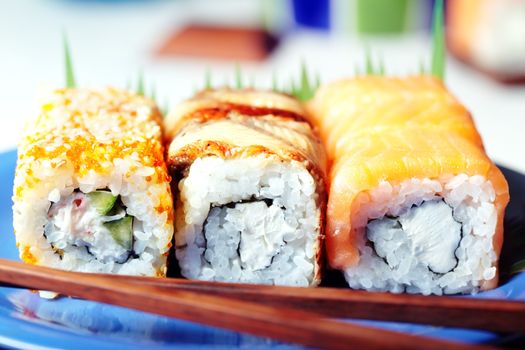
(249, 173)
(415, 205)
(91, 189)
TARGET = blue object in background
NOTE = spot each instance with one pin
(312, 13)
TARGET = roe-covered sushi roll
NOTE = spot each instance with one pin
(91, 188)
(249, 173)
(414, 203)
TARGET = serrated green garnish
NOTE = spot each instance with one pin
(357, 69)
(302, 90)
(275, 84)
(68, 65)
(238, 77)
(422, 68)
(140, 84)
(317, 80)
(140, 88)
(305, 79)
(381, 69)
(207, 79)
(369, 66)
(438, 41)
(292, 90)
(306, 88)
(153, 93)
(166, 108)
(517, 267)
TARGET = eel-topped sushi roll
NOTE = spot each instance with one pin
(249, 175)
(414, 203)
(91, 190)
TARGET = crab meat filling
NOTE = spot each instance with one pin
(96, 222)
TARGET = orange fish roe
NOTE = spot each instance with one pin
(85, 140)
(163, 208)
(90, 129)
(27, 257)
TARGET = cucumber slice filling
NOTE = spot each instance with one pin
(102, 201)
(122, 231)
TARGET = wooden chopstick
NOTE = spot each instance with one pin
(485, 314)
(283, 323)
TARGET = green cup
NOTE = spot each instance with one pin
(383, 16)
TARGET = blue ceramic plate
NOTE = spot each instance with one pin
(27, 321)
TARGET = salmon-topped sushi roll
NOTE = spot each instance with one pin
(414, 202)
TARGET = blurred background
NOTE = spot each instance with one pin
(176, 42)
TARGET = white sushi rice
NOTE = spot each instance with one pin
(127, 178)
(472, 202)
(226, 232)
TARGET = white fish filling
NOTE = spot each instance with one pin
(428, 236)
(428, 232)
(74, 224)
(258, 231)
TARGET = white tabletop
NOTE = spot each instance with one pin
(112, 42)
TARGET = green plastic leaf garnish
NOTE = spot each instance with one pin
(381, 68)
(68, 65)
(275, 84)
(303, 90)
(306, 88)
(153, 93)
(293, 89)
(141, 89)
(357, 69)
(422, 68)
(438, 41)
(517, 267)
(369, 66)
(166, 108)
(238, 77)
(207, 79)
(140, 84)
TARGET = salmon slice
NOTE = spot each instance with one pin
(346, 107)
(391, 129)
